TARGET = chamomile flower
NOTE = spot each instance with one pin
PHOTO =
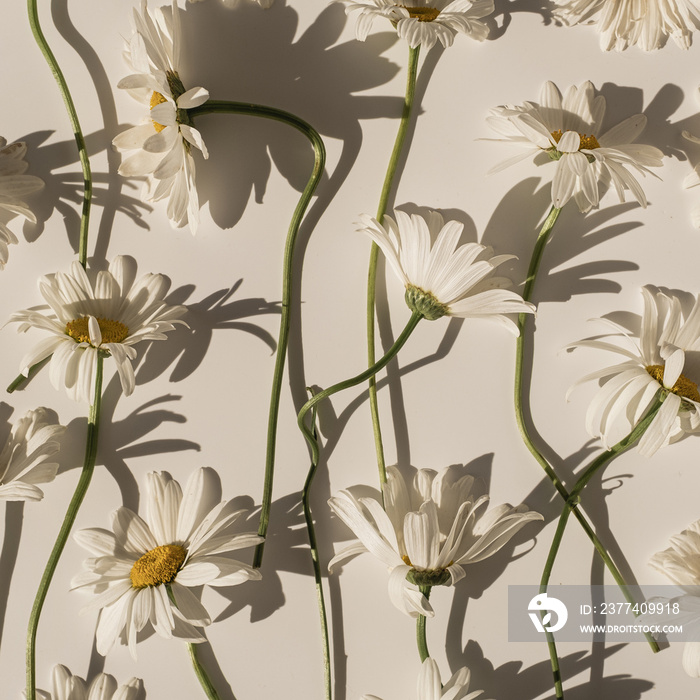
(108, 314)
(66, 686)
(663, 359)
(430, 684)
(427, 531)
(15, 184)
(185, 542)
(424, 22)
(161, 148)
(34, 438)
(441, 279)
(623, 23)
(568, 131)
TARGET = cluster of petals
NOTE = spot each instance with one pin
(430, 685)
(433, 523)
(192, 523)
(623, 23)
(458, 281)
(113, 297)
(568, 130)
(160, 148)
(34, 438)
(656, 361)
(66, 686)
(424, 22)
(15, 184)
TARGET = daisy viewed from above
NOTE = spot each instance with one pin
(441, 279)
(108, 314)
(429, 528)
(66, 686)
(34, 438)
(568, 130)
(185, 542)
(430, 684)
(14, 185)
(624, 23)
(161, 148)
(664, 359)
(424, 22)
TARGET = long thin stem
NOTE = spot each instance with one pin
(75, 124)
(201, 673)
(224, 107)
(374, 253)
(421, 638)
(73, 508)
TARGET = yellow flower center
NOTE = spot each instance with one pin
(157, 567)
(157, 99)
(422, 14)
(112, 331)
(684, 387)
(588, 142)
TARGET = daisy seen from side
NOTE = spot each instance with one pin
(663, 359)
(160, 149)
(142, 571)
(66, 686)
(568, 130)
(440, 278)
(430, 528)
(109, 314)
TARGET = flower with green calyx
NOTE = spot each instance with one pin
(66, 686)
(440, 278)
(663, 358)
(161, 148)
(429, 528)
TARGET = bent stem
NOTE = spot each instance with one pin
(73, 508)
(374, 254)
(224, 107)
(201, 673)
(421, 638)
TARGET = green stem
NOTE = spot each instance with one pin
(224, 107)
(374, 253)
(73, 508)
(421, 638)
(201, 673)
(75, 124)
(20, 379)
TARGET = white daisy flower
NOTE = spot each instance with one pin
(424, 22)
(160, 148)
(14, 185)
(108, 315)
(428, 530)
(441, 279)
(66, 686)
(430, 684)
(23, 460)
(568, 130)
(185, 542)
(624, 23)
(655, 362)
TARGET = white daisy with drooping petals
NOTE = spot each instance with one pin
(161, 148)
(34, 438)
(623, 23)
(424, 22)
(429, 529)
(66, 686)
(108, 314)
(15, 184)
(568, 130)
(430, 684)
(660, 360)
(441, 278)
(185, 542)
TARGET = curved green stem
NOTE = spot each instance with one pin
(75, 124)
(224, 107)
(374, 253)
(201, 673)
(73, 508)
(421, 638)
